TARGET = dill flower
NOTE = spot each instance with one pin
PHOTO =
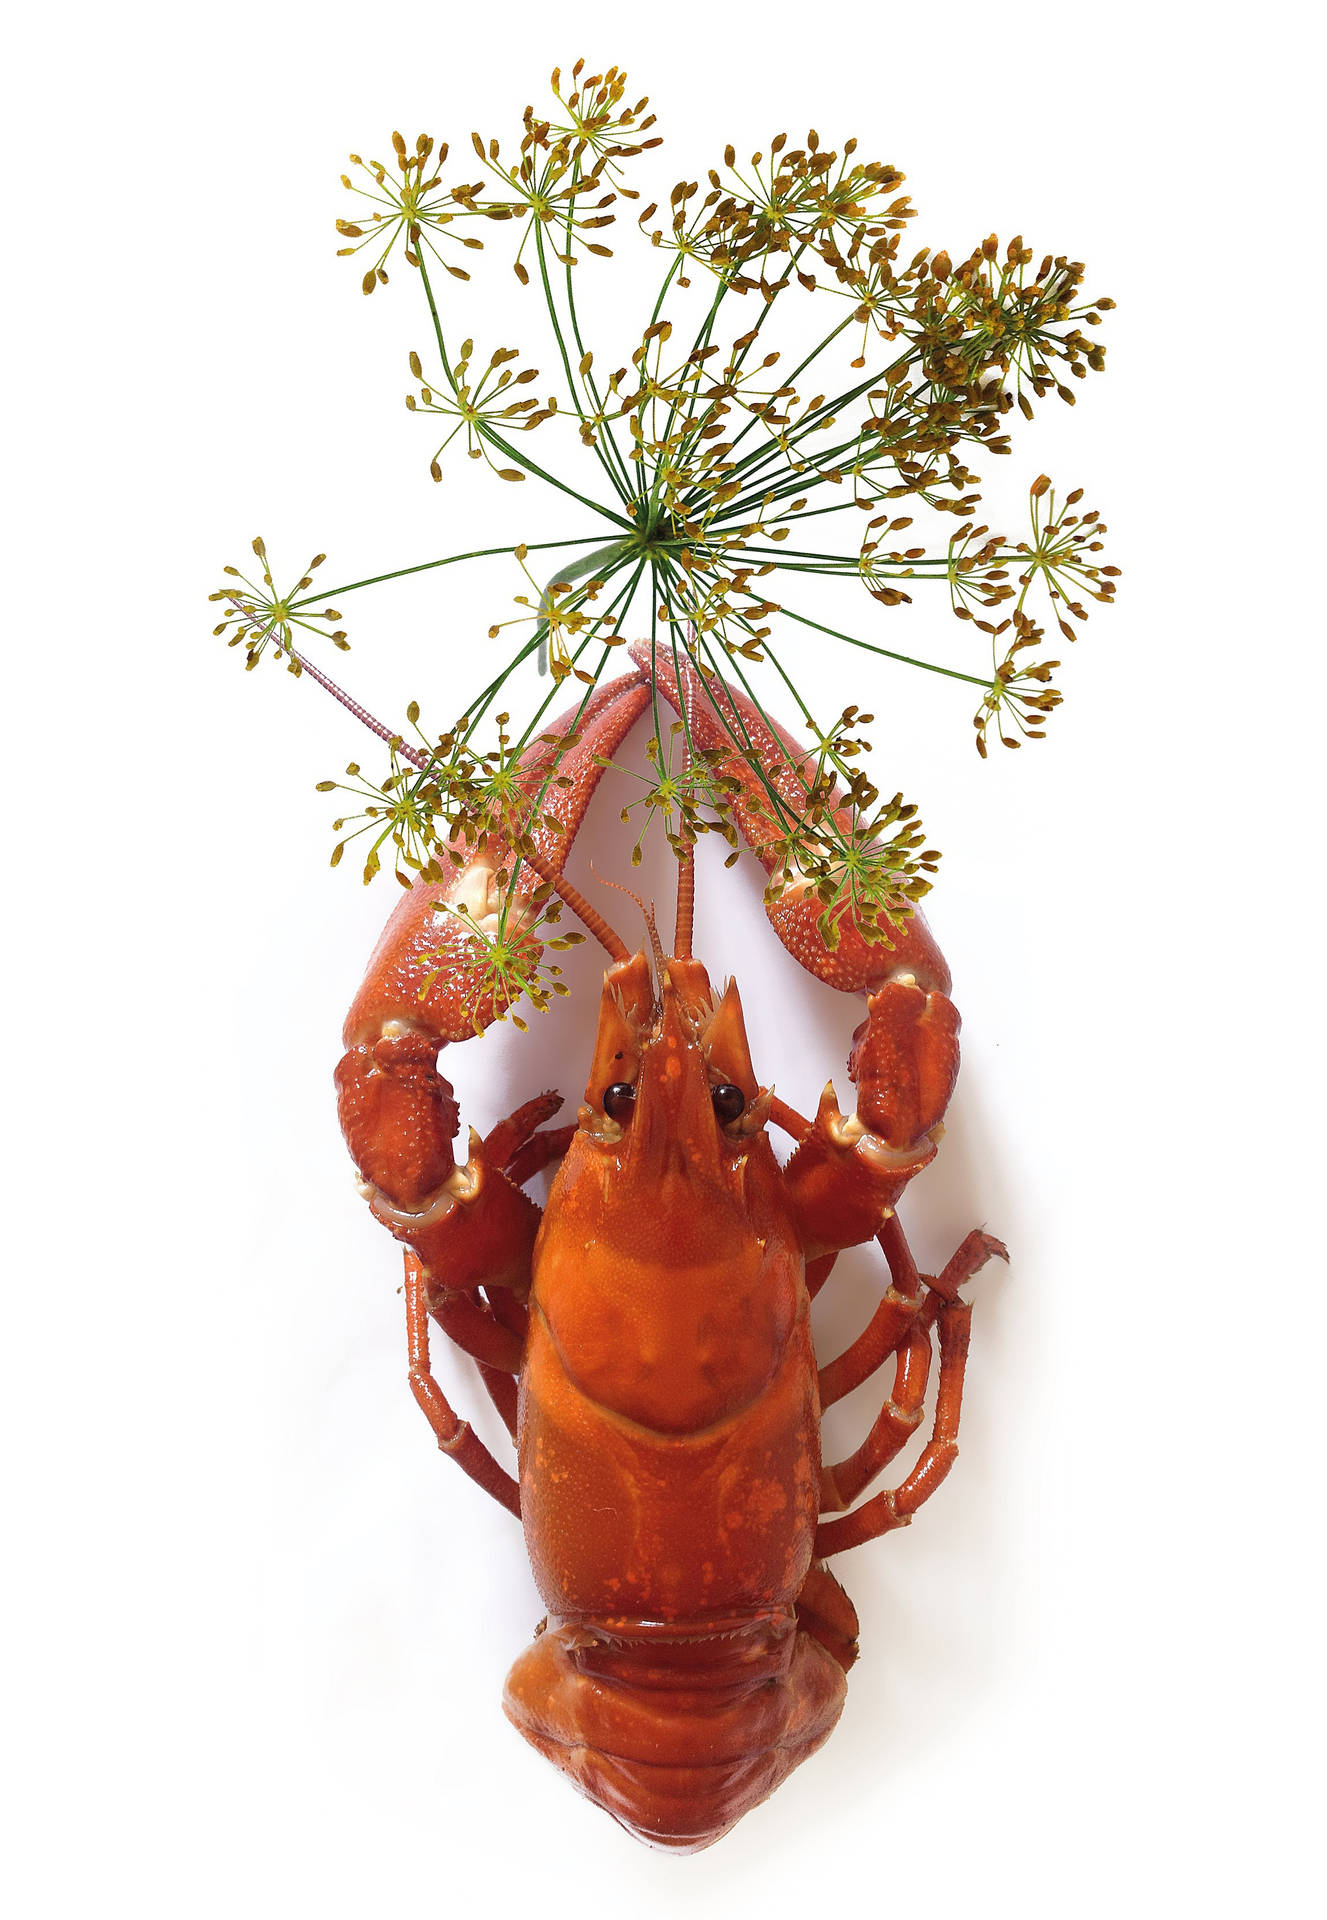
(705, 472)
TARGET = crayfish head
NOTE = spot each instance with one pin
(672, 1086)
(667, 1271)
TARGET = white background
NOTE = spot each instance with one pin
(256, 1628)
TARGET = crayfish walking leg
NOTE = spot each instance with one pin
(910, 1341)
(491, 1331)
(896, 1506)
(455, 1437)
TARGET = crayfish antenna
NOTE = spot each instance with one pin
(647, 913)
(685, 919)
(593, 922)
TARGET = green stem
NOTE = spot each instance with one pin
(532, 466)
(761, 456)
(724, 288)
(782, 554)
(479, 553)
(623, 602)
(602, 562)
(907, 659)
(479, 705)
(840, 507)
(437, 323)
(626, 488)
(493, 436)
(654, 652)
(667, 282)
(613, 480)
(823, 752)
(727, 722)
(482, 701)
(813, 355)
(702, 339)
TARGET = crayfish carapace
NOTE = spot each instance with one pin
(646, 1337)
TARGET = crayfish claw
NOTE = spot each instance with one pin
(844, 1130)
(904, 1062)
(477, 1228)
(398, 1113)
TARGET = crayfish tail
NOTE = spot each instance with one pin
(677, 1730)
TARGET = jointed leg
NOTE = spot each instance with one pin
(915, 1302)
(900, 1325)
(504, 1141)
(828, 1615)
(894, 1426)
(796, 1126)
(472, 1326)
(889, 1325)
(491, 1326)
(454, 1436)
(970, 1258)
(501, 1389)
(901, 1305)
(537, 1153)
(896, 1507)
(491, 1331)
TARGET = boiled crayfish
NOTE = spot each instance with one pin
(646, 1339)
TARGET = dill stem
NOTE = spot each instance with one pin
(479, 553)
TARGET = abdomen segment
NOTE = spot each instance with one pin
(676, 1729)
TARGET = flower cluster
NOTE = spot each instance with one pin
(702, 456)
(411, 209)
(512, 957)
(1019, 693)
(476, 405)
(260, 618)
(687, 790)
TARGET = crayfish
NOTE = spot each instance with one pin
(646, 1337)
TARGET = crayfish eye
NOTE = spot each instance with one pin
(619, 1099)
(729, 1103)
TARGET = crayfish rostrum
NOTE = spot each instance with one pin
(646, 1338)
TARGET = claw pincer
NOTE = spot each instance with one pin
(904, 1062)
